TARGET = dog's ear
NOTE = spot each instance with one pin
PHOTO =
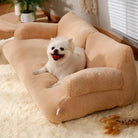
(52, 39)
(71, 43)
(70, 40)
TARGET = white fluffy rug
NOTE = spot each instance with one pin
(20, 118)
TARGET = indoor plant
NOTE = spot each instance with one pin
(27, 8)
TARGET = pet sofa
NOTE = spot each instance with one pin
(108, 80)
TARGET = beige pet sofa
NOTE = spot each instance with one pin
(108, 80)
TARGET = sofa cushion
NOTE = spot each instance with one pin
(93, 80)
(102, 51)
(35, 30)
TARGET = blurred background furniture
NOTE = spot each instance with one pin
(8, 21)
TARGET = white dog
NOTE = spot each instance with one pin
(63, 58)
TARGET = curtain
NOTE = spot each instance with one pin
(89, 6)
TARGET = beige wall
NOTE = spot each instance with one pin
(61, 7)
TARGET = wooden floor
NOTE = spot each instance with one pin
(4, 8)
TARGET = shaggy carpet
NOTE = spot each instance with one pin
(20, 118)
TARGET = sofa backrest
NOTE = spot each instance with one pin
(72, 26)
(103, 51)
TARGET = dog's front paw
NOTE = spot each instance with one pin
(35, 72)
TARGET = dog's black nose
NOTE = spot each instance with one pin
(56, 51)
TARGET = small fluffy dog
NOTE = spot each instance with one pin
(63, 58)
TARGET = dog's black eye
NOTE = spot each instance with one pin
(53, 48)
(61, 48)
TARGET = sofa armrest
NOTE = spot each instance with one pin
(93, 80)
(36, 30)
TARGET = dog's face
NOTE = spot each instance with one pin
(60, 49)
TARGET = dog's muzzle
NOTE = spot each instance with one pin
(56, 55)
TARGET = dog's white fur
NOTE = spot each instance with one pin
(72, 61)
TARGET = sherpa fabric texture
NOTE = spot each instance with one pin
(108, 81)
(20, 117)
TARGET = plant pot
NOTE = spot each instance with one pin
(17, 9)
(27, 17)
